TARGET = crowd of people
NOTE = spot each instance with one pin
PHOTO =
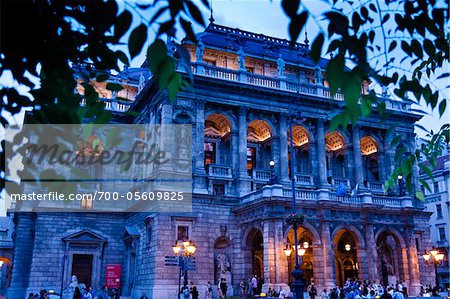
(83, 293)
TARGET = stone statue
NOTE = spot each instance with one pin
(224, 269)
(199, 51)
(241, 59)
(281, 64)
(141, 83)
(387, 266)
(318, 75)
(68, 293)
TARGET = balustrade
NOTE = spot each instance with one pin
(261, 175)
(221, 171)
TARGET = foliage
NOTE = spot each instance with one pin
(370, 40)
(294, 219)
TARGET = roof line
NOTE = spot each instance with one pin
(248, 34)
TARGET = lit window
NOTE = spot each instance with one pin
(182, 232)
(210, 153)
(86, 202)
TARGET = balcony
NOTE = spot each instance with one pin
(376, 187)
(261, 175)
(220, 171)
(304, 179)
(338, 181)
(285, 194)
(111, 104)
(284, 84)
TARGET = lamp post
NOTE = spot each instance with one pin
(272, 172)
(300, 250)
(298, 284)
(435, 258)
(401, 185)
(184, 251)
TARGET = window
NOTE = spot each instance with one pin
(442, 236)
(219, 189)
(251, 159)
(438, 211)
(436, 187)
(182, 232)
(149, 232)
(210, 153)
(210, 62)
(86, 201)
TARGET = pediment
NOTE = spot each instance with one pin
(85, 236)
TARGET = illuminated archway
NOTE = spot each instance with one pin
(346, 246)
(216, 133)
(370, 153)
(335, 144)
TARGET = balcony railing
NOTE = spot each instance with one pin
(347, 198)
(111, 104)
(338, 181)
(286, 84)
(261, 175)
(376, 187)
(219, 171)
(301, 194)
(304, 179)
(386, 201)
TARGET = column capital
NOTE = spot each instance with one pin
(200, 103)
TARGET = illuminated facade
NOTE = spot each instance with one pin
(247, 89)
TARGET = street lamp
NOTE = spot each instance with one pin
(288, 251)
(184, 251)
(401, 186)
(300, 252)
(298, 285)
(435, 258)
(272, 172)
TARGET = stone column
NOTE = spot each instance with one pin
(358, 168)
(414, 276)
(235, 153)
(199, 167)
(269, 255)
(281, 264)
(244, 179)
(284, 173)
(372, 254)
(322, 165)
(328, 257)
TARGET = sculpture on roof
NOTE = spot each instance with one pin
(199, 51)
(318, 75)
(281, 64)
(241, 59)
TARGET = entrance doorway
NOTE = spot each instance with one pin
(345, 256)
(82, 268)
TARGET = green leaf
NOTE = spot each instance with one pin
(123, 23)
(114, 87)
(137, 39)
(316, 48)
(187, 27)
(420, 195)
(392, 46)
(156, 54)
(290, 7)
(195, 12)
(429, 48)
(296, 25)
(442, 107)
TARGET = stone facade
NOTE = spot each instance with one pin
(248, 89)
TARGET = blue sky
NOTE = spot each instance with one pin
(267, 17)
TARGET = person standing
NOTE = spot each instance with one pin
(243, 288)
(194, 292)
(224, 287)
(208, 292)
(255, 285)
(143, 296)
(324, 294)
(312, 291)
(219, 289)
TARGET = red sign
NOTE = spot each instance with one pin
(113, 275)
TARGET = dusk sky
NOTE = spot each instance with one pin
(267, 17)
